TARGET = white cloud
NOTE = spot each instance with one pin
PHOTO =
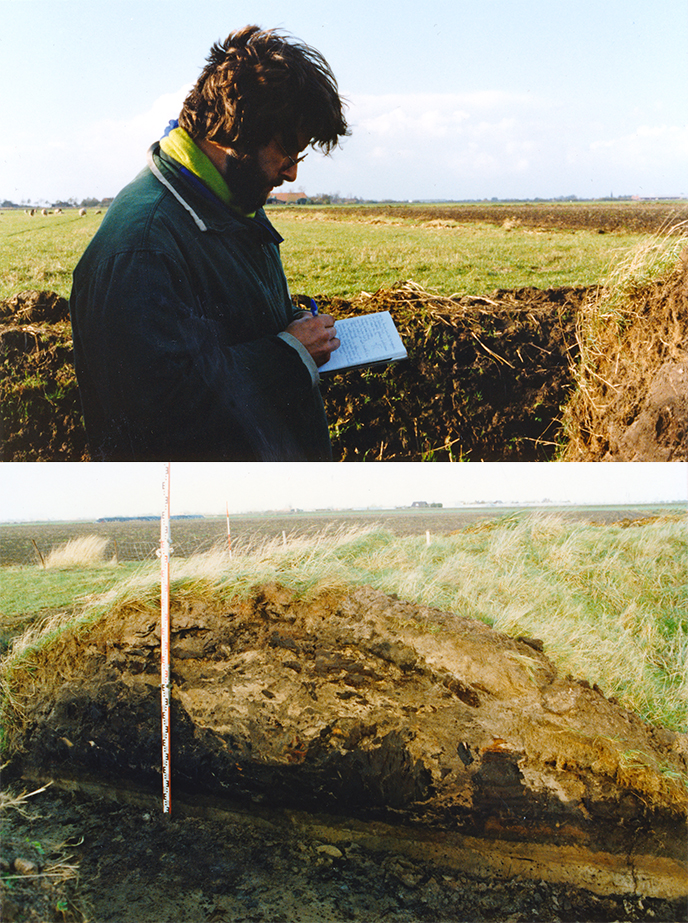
(403, 146)
(94, 160)
(404, 143)
(120, 146)
(643, 144)
(431, 115)
(492, 143)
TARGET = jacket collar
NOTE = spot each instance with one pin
(180, 182)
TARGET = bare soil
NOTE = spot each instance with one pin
(345, 757)
(493, 378)
(132, 864)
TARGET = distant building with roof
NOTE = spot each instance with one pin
(288, 198)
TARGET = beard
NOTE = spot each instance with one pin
(248, 184)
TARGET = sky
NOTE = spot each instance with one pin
(447, 99)
(32, 492)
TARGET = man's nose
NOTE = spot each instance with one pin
(289, 172)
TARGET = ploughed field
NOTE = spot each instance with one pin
(645, 217)
(138, 539)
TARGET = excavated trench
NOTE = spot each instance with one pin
(361, 719)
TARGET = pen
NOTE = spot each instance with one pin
(314, 307)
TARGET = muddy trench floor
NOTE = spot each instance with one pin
(134, 864)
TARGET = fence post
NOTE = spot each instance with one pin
(39, 553)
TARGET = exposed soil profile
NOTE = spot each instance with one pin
(346, 756)
(493, 378)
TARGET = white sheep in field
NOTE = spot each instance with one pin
(82, 212)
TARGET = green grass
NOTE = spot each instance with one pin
(41, 252)
(29, 594)
(330, 255)
(342, 257)
(609, 603)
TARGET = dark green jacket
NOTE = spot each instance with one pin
(178, 307)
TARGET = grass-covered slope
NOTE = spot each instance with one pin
(609, 603)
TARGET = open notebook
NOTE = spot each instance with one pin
(371, 339)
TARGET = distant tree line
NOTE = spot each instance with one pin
(68, 203)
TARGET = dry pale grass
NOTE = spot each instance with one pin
(9, 801)
(85, 551)
(632, 325)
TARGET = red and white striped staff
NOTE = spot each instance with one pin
(165, 551)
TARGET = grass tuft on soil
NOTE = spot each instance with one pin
(610, 603)
(85, 551)
(630, 377)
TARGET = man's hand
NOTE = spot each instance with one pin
(317, 334)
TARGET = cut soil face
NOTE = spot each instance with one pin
(633, 401)
(486, 379)
(136, 865)
(377, 722)
(41, 410)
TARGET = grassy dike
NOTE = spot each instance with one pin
(609, 603)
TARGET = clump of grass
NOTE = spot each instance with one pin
(84, 551)
(610, 603)
(633, 323)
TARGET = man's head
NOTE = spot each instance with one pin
(258, 86)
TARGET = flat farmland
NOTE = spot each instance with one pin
(343, 250)
(469, 249)
(138, 539)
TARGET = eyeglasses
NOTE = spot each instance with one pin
(294, 162)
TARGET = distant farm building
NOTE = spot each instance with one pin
(288, 198)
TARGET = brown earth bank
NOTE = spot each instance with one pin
(631, 403)
(347, 756)
(493, 378)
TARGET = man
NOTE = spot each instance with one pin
(186, 342)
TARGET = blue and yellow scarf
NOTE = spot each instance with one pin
(179, 145)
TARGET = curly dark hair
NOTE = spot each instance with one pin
(260, 83)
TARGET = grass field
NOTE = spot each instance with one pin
(341, 252)
(609, 601)
(342, 257)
